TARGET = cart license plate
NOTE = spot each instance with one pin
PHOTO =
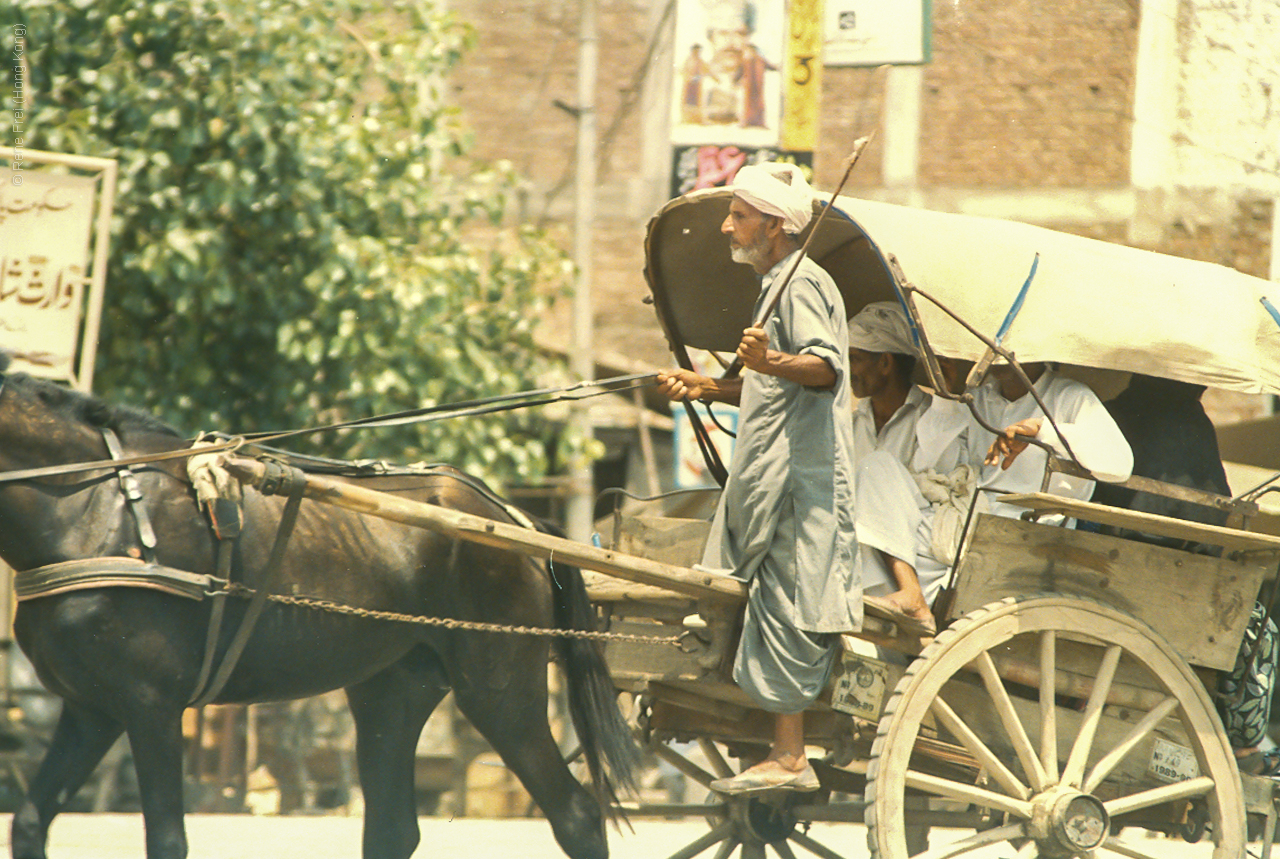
(1171, 762)
(859, 690)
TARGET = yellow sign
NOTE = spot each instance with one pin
(802, 76)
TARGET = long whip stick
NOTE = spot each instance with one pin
(861, 143)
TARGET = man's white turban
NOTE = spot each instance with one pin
(777, 188)
(881, 327)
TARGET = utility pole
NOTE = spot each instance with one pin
(579, 513)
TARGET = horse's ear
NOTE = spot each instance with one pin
(99, 414)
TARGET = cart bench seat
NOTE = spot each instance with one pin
(1231, 539)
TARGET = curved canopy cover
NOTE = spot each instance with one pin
(1090, 304)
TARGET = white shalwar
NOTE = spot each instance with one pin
(1088, 427)
(915, 480)
(784, 523)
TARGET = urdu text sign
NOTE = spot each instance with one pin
(44, 244)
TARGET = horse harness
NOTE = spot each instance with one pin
(226, 522)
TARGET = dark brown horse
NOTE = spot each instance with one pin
(127, 659)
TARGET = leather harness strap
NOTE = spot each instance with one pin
(133, 496)
(85, 573)
(292, 482)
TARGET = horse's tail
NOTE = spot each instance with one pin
(608, 747)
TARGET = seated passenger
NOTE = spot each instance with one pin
(1174, 441)
(1004, 400)
(913, 460)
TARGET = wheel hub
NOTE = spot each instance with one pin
(1067, 822)
(765, 820)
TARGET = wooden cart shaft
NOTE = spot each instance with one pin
(477, 529)
(882, 623)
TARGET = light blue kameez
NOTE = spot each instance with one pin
(785, 519)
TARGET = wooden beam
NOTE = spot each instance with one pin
(501, 535)
(1150, 523)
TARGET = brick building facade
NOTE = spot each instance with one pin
(1150, 122)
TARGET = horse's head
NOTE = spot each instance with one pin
(43, 423)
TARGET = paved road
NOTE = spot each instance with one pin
(119, 836)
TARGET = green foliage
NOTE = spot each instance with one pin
(295, 240)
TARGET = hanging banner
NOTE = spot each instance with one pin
(802, 78)
(747, 77)
(875, 32)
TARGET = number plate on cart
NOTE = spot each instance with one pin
(1171, 762)
(859, 690)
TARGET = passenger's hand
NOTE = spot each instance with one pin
(1007, 446)
(753, 351)
(682, 385)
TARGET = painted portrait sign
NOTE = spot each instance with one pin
(729, 57)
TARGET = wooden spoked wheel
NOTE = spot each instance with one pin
(1054, 727)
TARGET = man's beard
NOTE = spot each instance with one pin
(753, 254)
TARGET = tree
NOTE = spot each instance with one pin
(299, 237)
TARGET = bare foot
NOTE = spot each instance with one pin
(912, 604)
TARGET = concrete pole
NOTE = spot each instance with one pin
(579, 521)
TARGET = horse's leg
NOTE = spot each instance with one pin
(509, 708)
(390, 710)
(155, 735)
(79, 742)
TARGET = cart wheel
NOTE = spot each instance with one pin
(971, 726)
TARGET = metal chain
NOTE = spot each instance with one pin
(235, 589)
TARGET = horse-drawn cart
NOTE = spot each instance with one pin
(1065, 709)
(1067, 702)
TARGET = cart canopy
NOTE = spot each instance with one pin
(1090, 304)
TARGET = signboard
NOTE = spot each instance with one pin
(728, 75)
(710, 165)
(691, 468)
(50, 289)
(802, 81)
(44, 257)
(747, 88)
(875, 32)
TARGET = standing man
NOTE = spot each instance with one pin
(785, 519)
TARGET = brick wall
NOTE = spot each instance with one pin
(1026, 93)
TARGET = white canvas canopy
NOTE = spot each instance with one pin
(1090, 304)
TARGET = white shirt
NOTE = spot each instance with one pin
(897, 436)
(1094, 437)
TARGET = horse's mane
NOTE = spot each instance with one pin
(85, 408)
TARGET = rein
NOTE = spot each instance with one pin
(486, 405)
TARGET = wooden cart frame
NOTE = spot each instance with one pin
(1067, 701)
